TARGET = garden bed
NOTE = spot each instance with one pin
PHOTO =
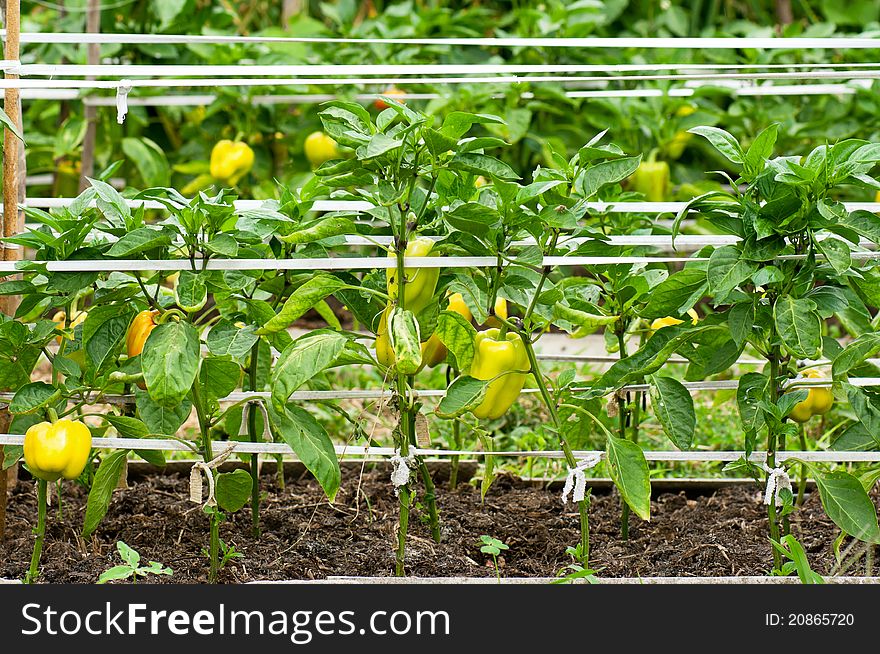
(696, 531)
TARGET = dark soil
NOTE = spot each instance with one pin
(304, 537)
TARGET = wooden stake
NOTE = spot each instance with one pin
(93, 26)
(13, 195)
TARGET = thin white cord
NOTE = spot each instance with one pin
(240, 447)
(627, 43)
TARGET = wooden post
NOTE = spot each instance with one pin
(13, 194)
(87, 168)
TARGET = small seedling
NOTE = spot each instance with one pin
(227, 553)
(132, 567)
(494, 547)
(789, 548)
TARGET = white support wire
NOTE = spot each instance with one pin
(187, 100)
(352, 263)
(621, 43)
(403, 81)
(322, 70)
(243, 447)
(380, 393)
(362, 206)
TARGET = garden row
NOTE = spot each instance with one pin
(183, 343)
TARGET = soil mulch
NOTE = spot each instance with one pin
(304, 537)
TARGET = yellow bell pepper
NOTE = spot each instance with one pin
(819, 399)
(506, 363)
(230, 161)
(651, 179)
(420, 282)
(319, 148)
(384, 351)
(500, 310)
(56, 450)
(140, 328)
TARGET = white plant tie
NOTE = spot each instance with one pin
(245, 414)
(576, 481)
(122, 92)
(777, 480)
(195, 476)
(402, 467)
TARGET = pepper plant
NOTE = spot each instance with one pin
(797, 256)
(551, 211)
(164, 344)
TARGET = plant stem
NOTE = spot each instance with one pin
(252, 436)
(623, 416)
(404, 432)
(453, 465)
(214, 548)
(583, 505)
(771, 447)
(34, 570)
(802, 482)
(430, 500)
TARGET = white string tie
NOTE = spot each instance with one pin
(195, 476)
(122, 92)
(245, 415)
(576, 481)
(402, 467)
(777, 480)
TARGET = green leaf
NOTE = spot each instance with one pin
(836, 252)
(483, 164)
(116, 573)
(105, 481)
(799, 326)
(170, 362)
(149, 159)
(299, 429)
(629, 471)
(474, 218)
(233, 490)
(752, 388)
(721, 141)
(761, 148)
(607, 172)
(160, 419)
(129, 555)
(674, 408)
(726, 270)
(855, 353)
(31, 397)
(301, 360)
(464, 393)
(6, 122)
(847, 504)
(103, 332)
(191, 293)
(227, 339)
(219, 377)
(301, 300)
(139, 240)
(378, 145)
(676, 294)
(458, 335)
(127, 426)
(864, 223)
